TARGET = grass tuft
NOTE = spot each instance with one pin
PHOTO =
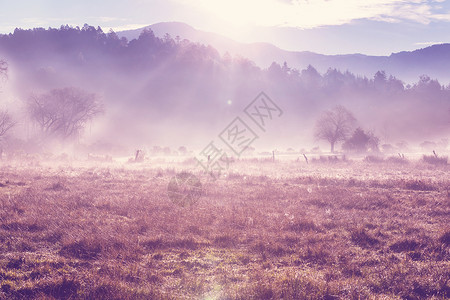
(87, 249)
(363, 239)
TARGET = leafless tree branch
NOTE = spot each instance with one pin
(334, 125)
(64, 112)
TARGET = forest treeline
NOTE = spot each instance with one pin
(163, 78)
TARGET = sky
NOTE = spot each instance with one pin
(373, 27)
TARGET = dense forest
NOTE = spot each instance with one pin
(151, 84)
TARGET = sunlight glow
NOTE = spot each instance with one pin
(242, 15)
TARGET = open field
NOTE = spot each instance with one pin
(266, 230)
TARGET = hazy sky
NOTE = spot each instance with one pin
(376, 27)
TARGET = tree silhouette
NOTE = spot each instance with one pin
(361, 142)
(334, 125)
(3, 68)
(6, 122)
(63, 112)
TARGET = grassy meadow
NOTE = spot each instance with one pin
(263, 230)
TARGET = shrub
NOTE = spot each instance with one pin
(373, 159)
(361, 142)
(418, 185)
(397, 160)
(434, 160)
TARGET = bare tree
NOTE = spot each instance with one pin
(63, 112)
(6, 122)
(335, 125)
(3, 68)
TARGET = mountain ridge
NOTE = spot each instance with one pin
(408, 65)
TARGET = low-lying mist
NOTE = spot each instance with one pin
(172, 93)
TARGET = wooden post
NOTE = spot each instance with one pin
(137, 155)
(435, 155)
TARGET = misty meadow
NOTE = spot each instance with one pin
(172, 92)
(144, 165)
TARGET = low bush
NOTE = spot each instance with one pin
(435, 160)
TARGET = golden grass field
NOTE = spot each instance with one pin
(266, 230)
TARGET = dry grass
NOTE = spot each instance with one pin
(298, 232)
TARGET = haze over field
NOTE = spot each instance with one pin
(175, 85)
(170, 91)
(227, 150)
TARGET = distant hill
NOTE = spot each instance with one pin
(409, 66)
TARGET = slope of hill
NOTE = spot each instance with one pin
(433, 61)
